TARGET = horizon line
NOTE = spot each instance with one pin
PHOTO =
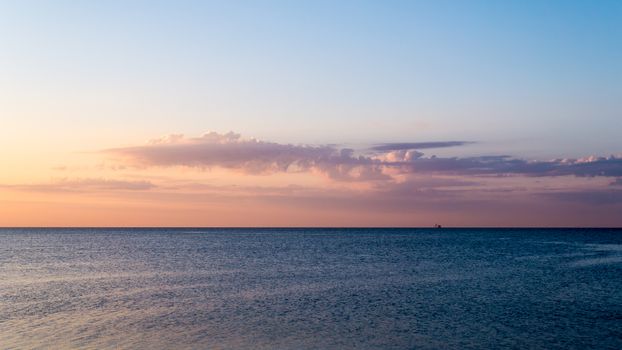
(310, 227)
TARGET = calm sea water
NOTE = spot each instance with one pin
(310, 288)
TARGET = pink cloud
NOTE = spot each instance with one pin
(253, 156)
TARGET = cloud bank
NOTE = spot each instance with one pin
(505, 165)
(254, 156)
(251, 156)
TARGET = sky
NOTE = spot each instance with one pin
(311, 113)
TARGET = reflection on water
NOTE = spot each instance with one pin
(310, 289)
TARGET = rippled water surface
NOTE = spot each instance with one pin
(310, 288)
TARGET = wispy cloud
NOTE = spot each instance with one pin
(84, 185)
(417, 145)
(594, 197)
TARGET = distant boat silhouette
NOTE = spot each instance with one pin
(438, 226)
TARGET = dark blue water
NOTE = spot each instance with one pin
(310, 288)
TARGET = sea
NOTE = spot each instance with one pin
(297, 288)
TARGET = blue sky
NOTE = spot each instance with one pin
(541, 77)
